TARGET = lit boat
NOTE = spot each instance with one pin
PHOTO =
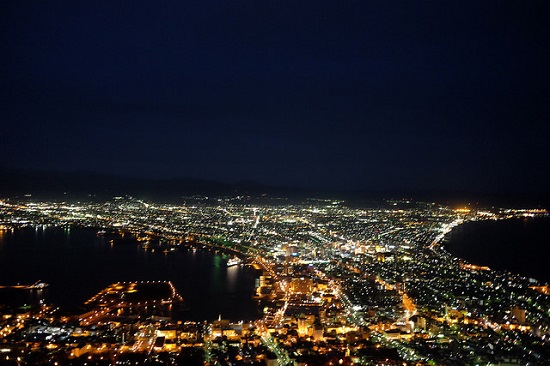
(39, 285)
(234, 262)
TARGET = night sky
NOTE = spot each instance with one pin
(430, 95)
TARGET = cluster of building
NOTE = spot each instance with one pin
(339, 285)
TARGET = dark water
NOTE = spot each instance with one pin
(77, 264)
(516, 245)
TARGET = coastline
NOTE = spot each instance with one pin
(513, 245)
(201, 276)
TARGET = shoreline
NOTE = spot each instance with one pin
(178, 266)
(485, 255)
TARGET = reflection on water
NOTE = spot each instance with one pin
(216, 281)
(232, 276)
(17, 298)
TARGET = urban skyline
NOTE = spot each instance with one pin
(338, 284)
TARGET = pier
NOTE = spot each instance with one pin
(38, 285)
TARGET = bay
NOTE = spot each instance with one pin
(518, 245)
(77, 264)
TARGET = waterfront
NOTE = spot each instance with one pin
(330, 273)
(516, 245)
(77, 264)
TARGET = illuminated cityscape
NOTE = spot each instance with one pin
(274, 183)
(338, 285)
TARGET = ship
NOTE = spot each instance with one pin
(234, 261)
(39, 285)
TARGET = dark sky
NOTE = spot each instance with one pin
(450, 95)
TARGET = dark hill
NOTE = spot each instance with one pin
(85, 185)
